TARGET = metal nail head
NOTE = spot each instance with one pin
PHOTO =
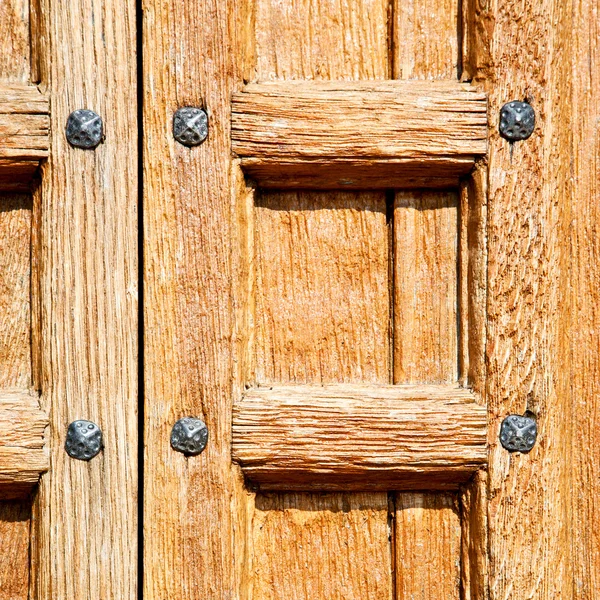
(84, 129)
(518, 433)
(517, 121)
(189, 436)
(84, 440)
(190, 126)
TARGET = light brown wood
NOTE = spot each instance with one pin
(427, 546)
(431, 287)
(14, 558)
(15, 36)
(343, 236)
(307, 133)
(425, 287)
(22, 454)
(321, 292)
(301, 539)
(24, 134)
(15, 291)
(359, 436)
(582, 300)
(426, 39)
(190, 505)
(85, 536)
(528, 343)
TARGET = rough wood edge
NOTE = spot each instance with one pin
(23, 456)
(315, 134)
(24, 134)
(350, 437)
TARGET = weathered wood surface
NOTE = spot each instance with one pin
(15, 33)
(85, 525)
(332, 249)
(24, 133)
(583, 299)
(359, 436)
(531, 227)
(321, 291)
(15, 291)
(301, 540)
(425, 287)
(23, 457)
(15, 527)
(429, 289)
(306, 133)
(427, 546)
(188, 318)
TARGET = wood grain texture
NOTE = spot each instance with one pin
(190, 546)
(359, 436)
(24, 134)
(344, 39)
(339, 39)
(15, 36)
(425, 287)
(427, 546)
(22, 454)
(85, 535)
(343, 130)
(425, 39)
(528, 343)
(583, 296)
(14, 558)
(300, 540)
(15, 291)
(429, 287)
(321, 292)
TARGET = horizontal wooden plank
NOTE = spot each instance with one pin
(24, 134)
(358, 134)
(22, 454)
(359, 437)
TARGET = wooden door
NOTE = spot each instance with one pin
(352, 281)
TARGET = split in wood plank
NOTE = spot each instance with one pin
(359, 437)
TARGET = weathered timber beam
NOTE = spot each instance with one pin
(22, 454)
(24, 134)
(365, 134)
(359, 437)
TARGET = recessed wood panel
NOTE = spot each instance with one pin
(425, 287)
(321, 292)
(15, 556)
(428, 534)
(330, 546)
(15, 291)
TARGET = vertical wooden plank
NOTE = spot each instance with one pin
(190, 365)
(321, 310)
(337, 39)
(15, 291)
(14, 558)
(425, 287)
(425, 46)
(15, 280)
(345, 534)
(14, 33)
(322, 303)
(528, 346)
(86, 512)
(582, 301)
(426, 39)
(428, 534)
